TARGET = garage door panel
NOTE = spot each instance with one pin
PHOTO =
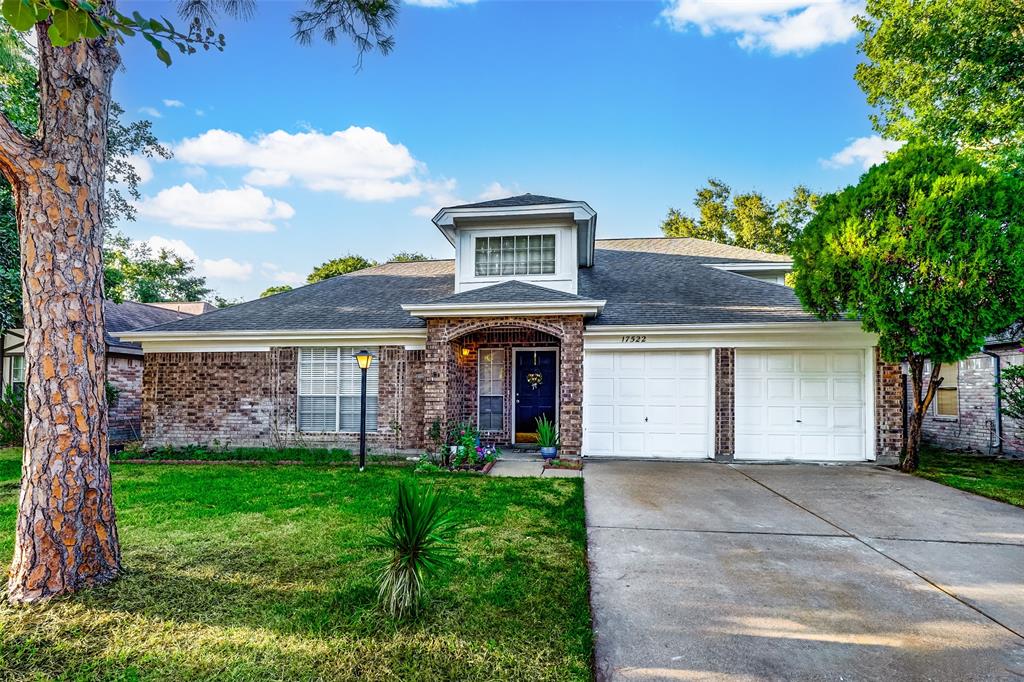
(658, 399)
(805, 405)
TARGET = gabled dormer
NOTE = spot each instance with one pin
(530, 238)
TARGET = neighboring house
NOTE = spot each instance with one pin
(636, 348)
(963, 415)
(124, 362)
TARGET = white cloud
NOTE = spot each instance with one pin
(173, 103)
(176, 246)
(444, 4)
(358, 163)
(143, 168)
(200, 112)
(443, 193)
(496, 190)
(246, 209)
(780, 26)
(274, 273)
(150, 111)
(225, 268)
(867, 151)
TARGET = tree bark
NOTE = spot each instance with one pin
(66, 530)
(920, 401)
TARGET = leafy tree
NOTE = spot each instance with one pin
(222, 302)
(339, 266)
(66, 535)
(925, 252)
(408, 257)
(279, 289)
(134, 272)
(747, 220)
(948, 71)
(1011, 388)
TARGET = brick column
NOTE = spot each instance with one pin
(435, 376)
(725, 404)
(888, 411)
(570, 393)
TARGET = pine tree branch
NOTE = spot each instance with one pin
(15, 149)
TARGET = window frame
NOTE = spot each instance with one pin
(946, 388)
(539, 234)
(343, 363)
(479, 386)
(18, 384)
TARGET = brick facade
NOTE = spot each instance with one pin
(725, 404)
(973, 429)
(125, 416)
(450, 388)
(888, 411)
(250, 398)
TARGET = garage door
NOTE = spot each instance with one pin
(805, 405)
(647, 404)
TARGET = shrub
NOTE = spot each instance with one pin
(420, 536)
(547, 434)
(1011, 388)
(12, 416)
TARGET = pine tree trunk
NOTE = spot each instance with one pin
(66, 531)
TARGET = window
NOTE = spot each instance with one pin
(18, 372)
(491, 381)
(329, 384)
(515, 255)
(947, 403)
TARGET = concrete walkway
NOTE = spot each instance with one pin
(517, 468)
(758, 572)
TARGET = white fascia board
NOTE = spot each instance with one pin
(591, 307)
(264, 340)
(446, 217)
(842, 334)
(779, 266)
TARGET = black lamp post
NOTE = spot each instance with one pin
(364, 358)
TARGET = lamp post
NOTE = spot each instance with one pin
(364, 358)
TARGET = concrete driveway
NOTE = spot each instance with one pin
(750, 572)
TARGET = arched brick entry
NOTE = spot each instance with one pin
(450, 388)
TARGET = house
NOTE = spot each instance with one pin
(647, 348)
(124, 362)
(964, 415)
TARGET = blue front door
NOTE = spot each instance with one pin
(536, 390)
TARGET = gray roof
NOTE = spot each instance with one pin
(512, 291)
(128, 316)
(520, 200)
(644, 281)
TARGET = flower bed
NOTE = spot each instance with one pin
(458, 449)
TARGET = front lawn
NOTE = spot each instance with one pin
(259, 573)
(999, 479)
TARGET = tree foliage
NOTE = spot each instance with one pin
(339, 266)
(408, 257)
(1011, 389)
(950, 71)
(748, 220)
(926, 252)
(132, 271)
(279, 289)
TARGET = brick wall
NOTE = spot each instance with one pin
(888, 411)
(974, 428)
(450, 383)
(125, 417)
(250, 398)
(725, 404)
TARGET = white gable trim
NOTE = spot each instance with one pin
(585, 307)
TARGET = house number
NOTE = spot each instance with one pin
(634, 339)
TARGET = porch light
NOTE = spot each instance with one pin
(364, 358)
(465, 352)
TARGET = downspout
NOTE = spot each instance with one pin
(999, 399)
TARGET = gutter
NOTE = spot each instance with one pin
(999, 399)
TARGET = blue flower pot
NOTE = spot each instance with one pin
(548, 453)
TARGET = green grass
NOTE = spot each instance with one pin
(999, 479)
(214, 454)
(265, 573)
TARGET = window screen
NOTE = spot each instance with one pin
(329, 384)
(491, 382)
(947, 401)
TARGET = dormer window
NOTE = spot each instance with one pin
(515, 255)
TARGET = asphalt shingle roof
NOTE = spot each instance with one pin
(520, 200)
(513, 291)
(129, 315)
(644, 281)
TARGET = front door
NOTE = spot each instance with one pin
(536, 391)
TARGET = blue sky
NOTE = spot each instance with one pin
(286, 156)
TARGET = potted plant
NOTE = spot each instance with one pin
(547, 438)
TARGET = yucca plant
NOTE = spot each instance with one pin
(547, 434)
(420, 537)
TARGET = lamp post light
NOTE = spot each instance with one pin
(364, 358)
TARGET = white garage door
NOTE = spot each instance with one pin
(647, 404)
(806, 405)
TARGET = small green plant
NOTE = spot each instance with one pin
(113, 394)
(420, 537)
(1011, 388)
(547, 434)
(12, 416)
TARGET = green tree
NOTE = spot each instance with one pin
(339, 266)
(408, 257)
(66, 534)
(279, 289)
(925, 252)
(752, 223)
(135, 273)
(949, 71)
